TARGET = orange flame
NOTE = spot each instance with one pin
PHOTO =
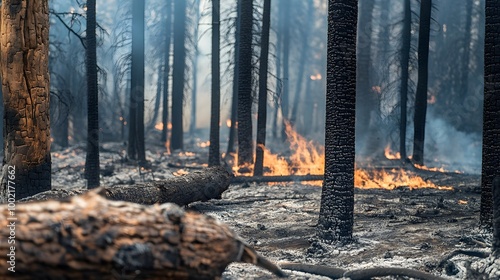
(228, 122)
(203, 144)
(309, 158)
(390, 155)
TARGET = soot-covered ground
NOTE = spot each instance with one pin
(400, 227)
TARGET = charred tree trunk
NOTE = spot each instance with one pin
(24, 69)
(234, 104)
(279, 80)
(496, 216)
(166, 70)
(245, 150)
(423, 73)
(337, 198)
(214, 151)
(405, 76)
(465, 60)
(177, 137)
(92, 169)
(364, 96)
(136, 146)
(285, 95)
(201, 185)
(491, 112)
(194, 92)
(262, 109)
(302, 63)
(88, 237)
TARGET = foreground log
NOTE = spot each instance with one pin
(202, 185)
(90, 237)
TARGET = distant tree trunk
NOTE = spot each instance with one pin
(156, 110)
(177, 137)
(262, 109)
(491, 111)
(136, 146)
(465, 59)
(245, 150)
(285, 95)
(302, 63)
(279, 80)
(192, 124)
(234, 103)
(214, 152)
(92, 170)
(337, 199)
(166, 70)
(24, 69)
(421, 96)
(405, 75)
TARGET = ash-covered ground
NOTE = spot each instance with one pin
(397, 228)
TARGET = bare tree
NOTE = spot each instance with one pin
(213, 152)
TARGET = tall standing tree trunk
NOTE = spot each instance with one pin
(92, 160)
(159, 91)
(136, 146)
(262, 109)
(405, 76)
(234, 104)
(214, 152)
(177, 138)
(491, 111)
(192, 124)
(24, 51)
(365, 97)
(337, 198)
(285, 95)
(245, 150)
(279, 80)
(166, 70)
(465, 60)
(423, 73)
(302, 63)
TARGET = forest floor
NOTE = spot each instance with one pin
(397, 228)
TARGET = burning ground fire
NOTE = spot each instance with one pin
(308, 158)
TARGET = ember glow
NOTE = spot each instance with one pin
(309, 158)
(389, 154)
(203, 144)
(159, 126)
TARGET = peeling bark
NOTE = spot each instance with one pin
(25, 86)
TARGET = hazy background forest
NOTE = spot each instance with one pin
(297, 70)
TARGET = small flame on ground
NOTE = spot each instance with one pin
(463, 202)
(203, 144)
(308, 158)
(389, 154)
(180, 172)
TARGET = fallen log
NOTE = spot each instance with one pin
(90, 237)
(267, 179)
(202, 185)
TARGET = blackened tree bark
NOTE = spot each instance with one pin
(365, 97)
(302, 64)
(24, 67)
(194, 72)
(245, 151)
(491, 111)
(285, 95)
(279, 53)
(92, 160)
(465, 60)
(262, 109)
(234, 103)
(337, 199)
(136, 146)
(166, 69)
(177, 139)
(421, 95)
(214, 151)
(405, 75)
(496, 216)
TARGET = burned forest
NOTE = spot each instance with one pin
(250, 139)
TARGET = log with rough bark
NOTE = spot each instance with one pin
(201, 185)
(90, 237)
